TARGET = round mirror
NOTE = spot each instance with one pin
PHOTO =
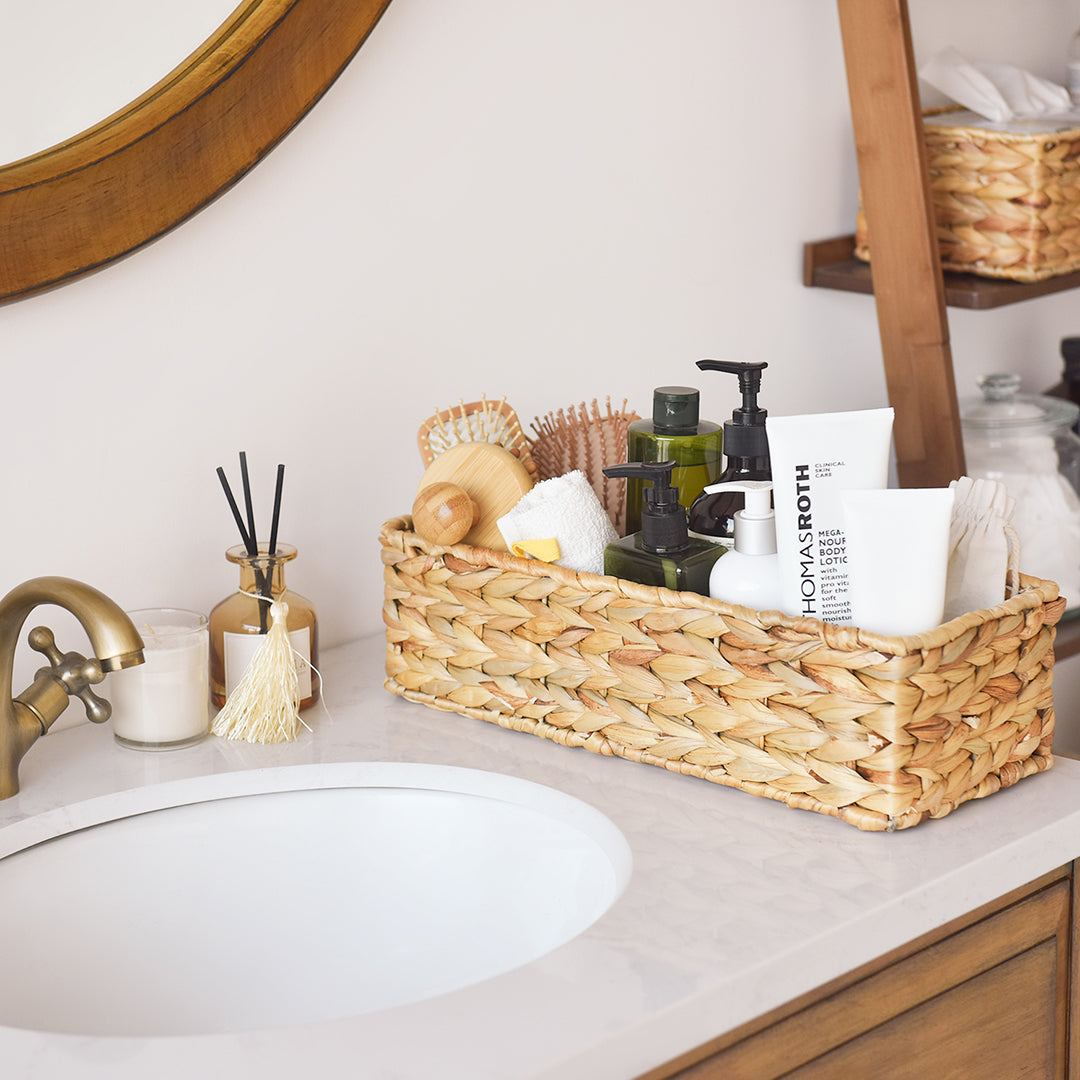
(76, 63)
(103, 193)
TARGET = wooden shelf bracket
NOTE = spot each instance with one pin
(907, 277)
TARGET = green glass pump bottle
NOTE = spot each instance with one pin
(675, 433)
(746, 446)
(661, 552)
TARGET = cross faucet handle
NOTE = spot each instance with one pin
(73, 672)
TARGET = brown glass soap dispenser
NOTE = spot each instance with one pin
(746, 446)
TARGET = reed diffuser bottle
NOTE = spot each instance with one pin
(239, 621)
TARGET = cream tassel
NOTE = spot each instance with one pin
(265, 706)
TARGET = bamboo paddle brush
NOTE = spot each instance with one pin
(479, 421)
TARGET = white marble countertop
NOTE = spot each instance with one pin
(735, 904)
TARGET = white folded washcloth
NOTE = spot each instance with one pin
(564, 509)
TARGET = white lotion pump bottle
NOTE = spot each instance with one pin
(749, 574)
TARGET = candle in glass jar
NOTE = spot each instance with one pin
(164, 703)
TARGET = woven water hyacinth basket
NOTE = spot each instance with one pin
(881, 732)
(1006, 205)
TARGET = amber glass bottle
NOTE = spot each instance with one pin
(238, 621)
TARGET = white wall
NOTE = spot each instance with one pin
(551, 201)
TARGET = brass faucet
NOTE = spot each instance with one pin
(116, 645)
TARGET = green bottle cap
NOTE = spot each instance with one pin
(676, 410)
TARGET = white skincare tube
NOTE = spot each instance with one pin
(898, 557)
(814, 458)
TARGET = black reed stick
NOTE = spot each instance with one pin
(277, 509)
(247, 499)
(248, 541)
(264, 577)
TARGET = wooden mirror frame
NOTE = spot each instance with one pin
(107, 191)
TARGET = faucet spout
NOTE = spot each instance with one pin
(112, 634)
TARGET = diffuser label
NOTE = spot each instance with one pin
(240, 648)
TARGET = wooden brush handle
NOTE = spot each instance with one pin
(443, 513)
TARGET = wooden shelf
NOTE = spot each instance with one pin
(831, 264)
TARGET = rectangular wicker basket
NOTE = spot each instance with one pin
(881, 732)
(1007, 205)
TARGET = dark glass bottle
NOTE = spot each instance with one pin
(661, 552)
(712, 515)
(1069, 387)
(675, 433)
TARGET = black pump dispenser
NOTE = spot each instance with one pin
(663, 519)
(661, 552)
(744, 433)
(746, 445)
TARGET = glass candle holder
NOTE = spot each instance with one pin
(164, 702)
(239, 621)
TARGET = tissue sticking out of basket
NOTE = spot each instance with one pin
(1001, 93)
(478, 421)
(587, 439)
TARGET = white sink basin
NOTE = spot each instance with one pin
(311, 893)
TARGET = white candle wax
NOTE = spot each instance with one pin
(164, 703)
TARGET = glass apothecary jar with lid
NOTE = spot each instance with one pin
(240, 620)
(1027, 442)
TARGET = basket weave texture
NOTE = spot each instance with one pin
(881, 732)
(1006, 205)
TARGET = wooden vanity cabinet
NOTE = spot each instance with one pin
(986, 996)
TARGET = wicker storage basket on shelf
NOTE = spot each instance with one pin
(1007, 205)
(881, 732)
